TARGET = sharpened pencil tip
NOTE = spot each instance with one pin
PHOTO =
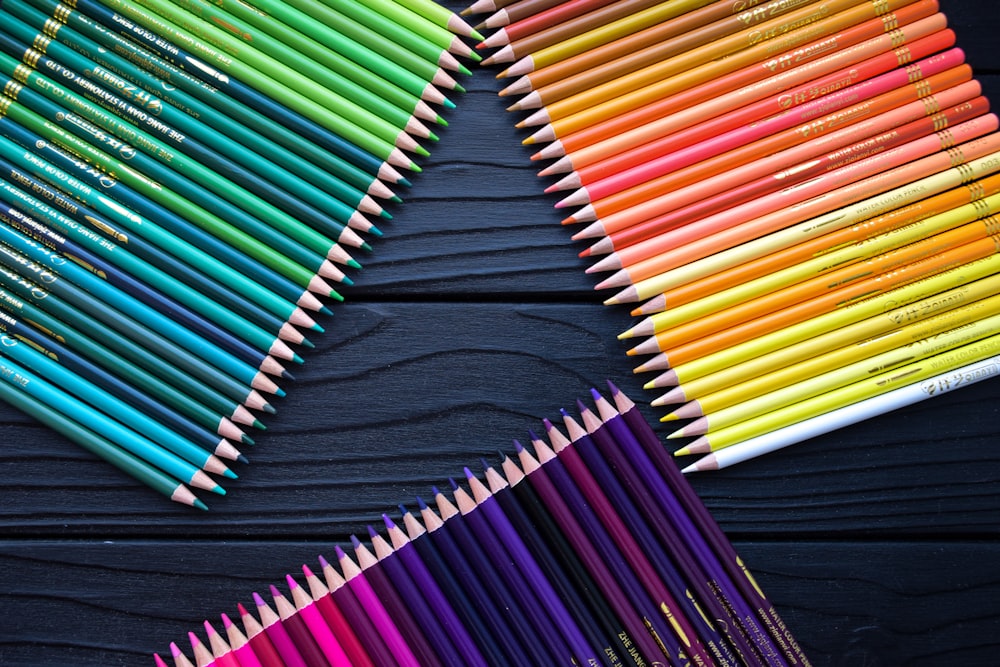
(200, 505)
(242, 459)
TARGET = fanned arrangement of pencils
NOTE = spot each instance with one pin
(182, 187)
(797, 196)
(593, 550)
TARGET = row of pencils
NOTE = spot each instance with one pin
(798, 198)
(592, 550)
(184, 185)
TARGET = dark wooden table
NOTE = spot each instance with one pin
(471, 321)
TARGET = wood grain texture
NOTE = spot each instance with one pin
(472, 320)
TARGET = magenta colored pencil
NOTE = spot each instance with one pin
(180, 660)
(378, 614)
(221, 651)
(158, 661)
(202, 656)
(278, 634)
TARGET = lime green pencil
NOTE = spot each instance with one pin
(291, 88)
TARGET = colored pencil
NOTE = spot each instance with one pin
(696, 246)
(850, 414)
(261, 644)
(919, 197)
(846, 395)
(354, 611)
(240, 644)
(833, 349)
(335, 619)
(222, 653)
(278, 633)
(299, 632)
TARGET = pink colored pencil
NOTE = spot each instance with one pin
(673, 209)
(240, 644)
(336, 620)
(376, 611)
(277, 633)
(744, 229)
(180, 660)
(262, 645)
(202, 656)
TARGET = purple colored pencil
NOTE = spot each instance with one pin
(634, 554)
(612, 587)
(278, 634)
(509, 569)
(562, 565)
(510, 606)
(529, 569)
(298, 631)
(715, 590)
(581, 447)
(409, 627)
(380, 617)
(699, 514)
(423, 581)
(475, 613)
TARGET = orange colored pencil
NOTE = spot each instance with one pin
(597, 36)
(745, 319)
(561, 32)
(656, 110)
(702, 56)
(731, 307)
(637, 68)
(912, 198)
(558, 23)
(706, 163)
(858, 236)
(656, 214)
(642, 41)
(720, 232)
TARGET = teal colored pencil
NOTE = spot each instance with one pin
(167, 81)
(138, 445)
(266, 343)
(184, 371)
(145, 473)
(99, 297)
(156, 159)
(170, 145)
(217, 419)
(116, 230)
(87, 392)
(134, 213)
(257, 247)
(292, 173)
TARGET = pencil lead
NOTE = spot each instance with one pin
(355, 542)
(421, 505)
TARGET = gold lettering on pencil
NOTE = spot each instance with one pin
(22, 72)
(51, 27)
(31, 57)
(931, 105)
(956, 156)
(880, 6)
(108, 229)
(897, 38)
(947, 138)
(12, 89)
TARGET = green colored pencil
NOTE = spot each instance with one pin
(152, 477)
(273, 78)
